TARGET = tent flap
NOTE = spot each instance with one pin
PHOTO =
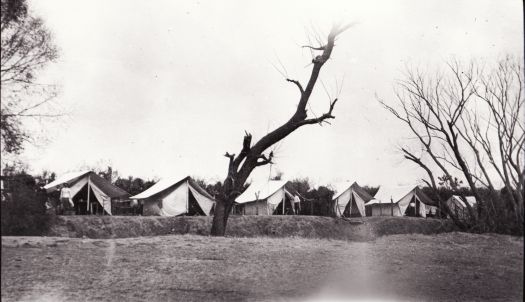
(360, 204)
(205, 203)
(103, 199)
(76, 187)
(342, 202)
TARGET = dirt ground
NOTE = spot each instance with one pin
(415, 267)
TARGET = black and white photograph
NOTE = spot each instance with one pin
(199, 150)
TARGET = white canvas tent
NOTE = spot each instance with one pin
(349, 199)
(90, 187)
(394, 201)
(457, 205)
(264, 198)
(174, 197)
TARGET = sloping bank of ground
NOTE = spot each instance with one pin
(356, 229)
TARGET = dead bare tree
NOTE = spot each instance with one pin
(502, 136)
(463, 119)
(252, 156)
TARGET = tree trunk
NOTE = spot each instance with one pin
(220, 219)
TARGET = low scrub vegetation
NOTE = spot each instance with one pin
(23, 207)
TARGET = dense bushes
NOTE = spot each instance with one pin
(23, 206)
(494, 213)
(316, 202)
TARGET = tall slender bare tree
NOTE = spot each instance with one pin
(251, 155)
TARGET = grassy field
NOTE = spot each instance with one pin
(413, 267)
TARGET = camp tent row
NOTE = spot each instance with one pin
(349, 199)
(90, 193)
(93, 194)
(401, 201)
(411, 201)
(173, 197)
(266, 198)
(183, 196)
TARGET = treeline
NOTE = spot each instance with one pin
(24, 211)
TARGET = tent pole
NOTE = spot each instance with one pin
(351, 204)
(103, 207)
(392, 206)
(88, 203)
(187, 197)
(284, 203)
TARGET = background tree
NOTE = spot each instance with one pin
(371, 190)
(45, 177)
(134, 185)
(470, 120)
(212, 188)
(251, 156)
(319, 202)
(278, 175)
(450, 183)
(23, 209)
(102, 167)
(300, 186)
(108, 174)
(26, 48)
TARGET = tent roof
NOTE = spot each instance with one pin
(65, 178)
(386, 193)
(361, 192)
(424, 198)
(396, 193)
(341, 187)
(260, 190)
(167, 183)
(470, 199)
(107, 187)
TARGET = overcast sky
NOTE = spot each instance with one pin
(162, 88)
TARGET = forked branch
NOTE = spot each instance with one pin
(322, 118)
(298, 85)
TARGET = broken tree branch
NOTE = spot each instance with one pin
(265, 160)
(314, 48)
(298, 85)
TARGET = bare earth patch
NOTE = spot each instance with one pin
(414, 267)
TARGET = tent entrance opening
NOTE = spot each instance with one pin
(351, 209)
(193, 206)
(83, 206)
(413, 208)
(288, 208)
